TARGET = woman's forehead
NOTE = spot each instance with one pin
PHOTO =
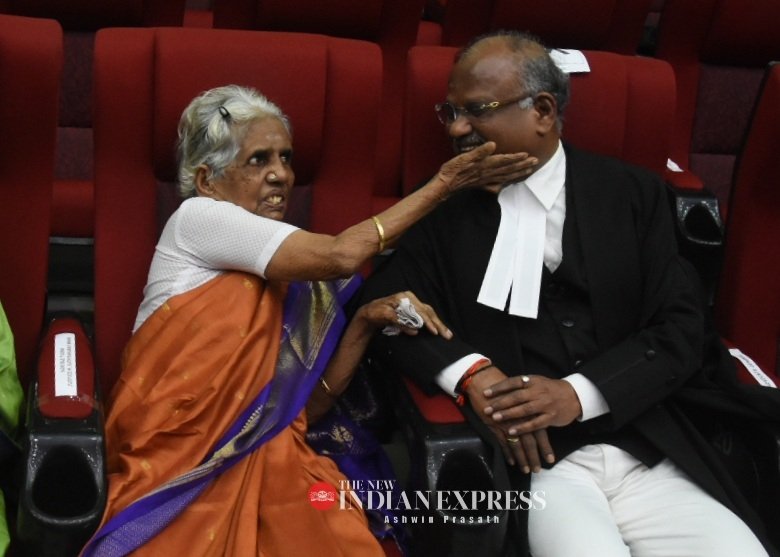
(266, 130)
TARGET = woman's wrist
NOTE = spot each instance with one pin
(333, 385)
(442, 187)
(361, 325)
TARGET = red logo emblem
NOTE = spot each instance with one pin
(322, 496)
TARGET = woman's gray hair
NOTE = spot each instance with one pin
(537, 71)
(212, 128)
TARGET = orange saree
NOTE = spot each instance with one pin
(188, 372)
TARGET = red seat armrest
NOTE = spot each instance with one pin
(66, 371)
(438, 408)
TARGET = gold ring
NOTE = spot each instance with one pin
(272, 177)
(512, 439)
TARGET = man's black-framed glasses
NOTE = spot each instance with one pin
(448, 113)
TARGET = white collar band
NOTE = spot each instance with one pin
(514, 271)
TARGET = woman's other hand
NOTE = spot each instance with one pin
(382, 312)
(367, 320)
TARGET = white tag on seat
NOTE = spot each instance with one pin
(753, 368)
(673, 166)
(65, 381)
(569, 60)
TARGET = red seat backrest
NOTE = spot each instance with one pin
(30, 67)
(748, 301)
(609, 112)
(73, 205)
(392, 24)
(719, 49)
(91, 15)
(614, 25)
(330, 88)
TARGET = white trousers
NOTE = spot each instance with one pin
(602, 502)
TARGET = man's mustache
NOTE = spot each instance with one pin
(465, 143)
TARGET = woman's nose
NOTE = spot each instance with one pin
(278, 174)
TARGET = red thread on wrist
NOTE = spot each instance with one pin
(460, 389)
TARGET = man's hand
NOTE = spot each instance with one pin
(524, 403)
(526, 450)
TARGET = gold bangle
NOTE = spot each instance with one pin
(381, 231)
(326, 388)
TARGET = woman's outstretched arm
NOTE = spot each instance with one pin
(308, 256)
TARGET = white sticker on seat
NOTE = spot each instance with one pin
(65, 381)
(570, 60)
(752, 367)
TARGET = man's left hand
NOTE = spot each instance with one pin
(528, 403)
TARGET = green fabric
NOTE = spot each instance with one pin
(11, 394)
(5, 537)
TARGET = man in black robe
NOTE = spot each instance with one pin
(576, 326)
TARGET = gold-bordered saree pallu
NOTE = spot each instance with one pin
(206, 429)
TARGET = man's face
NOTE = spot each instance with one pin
(484, 77)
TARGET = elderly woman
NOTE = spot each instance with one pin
(206, 425)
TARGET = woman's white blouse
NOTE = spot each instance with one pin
(203, 239)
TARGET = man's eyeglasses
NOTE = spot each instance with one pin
(448, 113)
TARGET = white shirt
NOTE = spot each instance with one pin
(547, 192)
(203, 239)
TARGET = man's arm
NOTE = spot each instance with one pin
(665, 348)
(651, 362)
(424, 358)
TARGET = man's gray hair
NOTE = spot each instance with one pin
(537, 71)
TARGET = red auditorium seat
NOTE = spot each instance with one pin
(73, 205)
(143, 80)
(31, 62)
(392, 24)
(197, 13)
(614, 25)
(650, 34)
(719, 49)
(30, 68)
(748, 303)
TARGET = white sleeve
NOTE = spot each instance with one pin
(592, 401)
(222, 235)
(448, 378)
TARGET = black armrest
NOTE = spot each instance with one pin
(700, 232)
(63, 492)
(445, 455)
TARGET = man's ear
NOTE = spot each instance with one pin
(547, 109)
(204, 186)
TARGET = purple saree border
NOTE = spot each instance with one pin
(140, 521)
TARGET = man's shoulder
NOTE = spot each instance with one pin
(605, 163)
(610, 172)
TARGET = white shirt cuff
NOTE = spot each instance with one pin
(592, 401)
(448, 378)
